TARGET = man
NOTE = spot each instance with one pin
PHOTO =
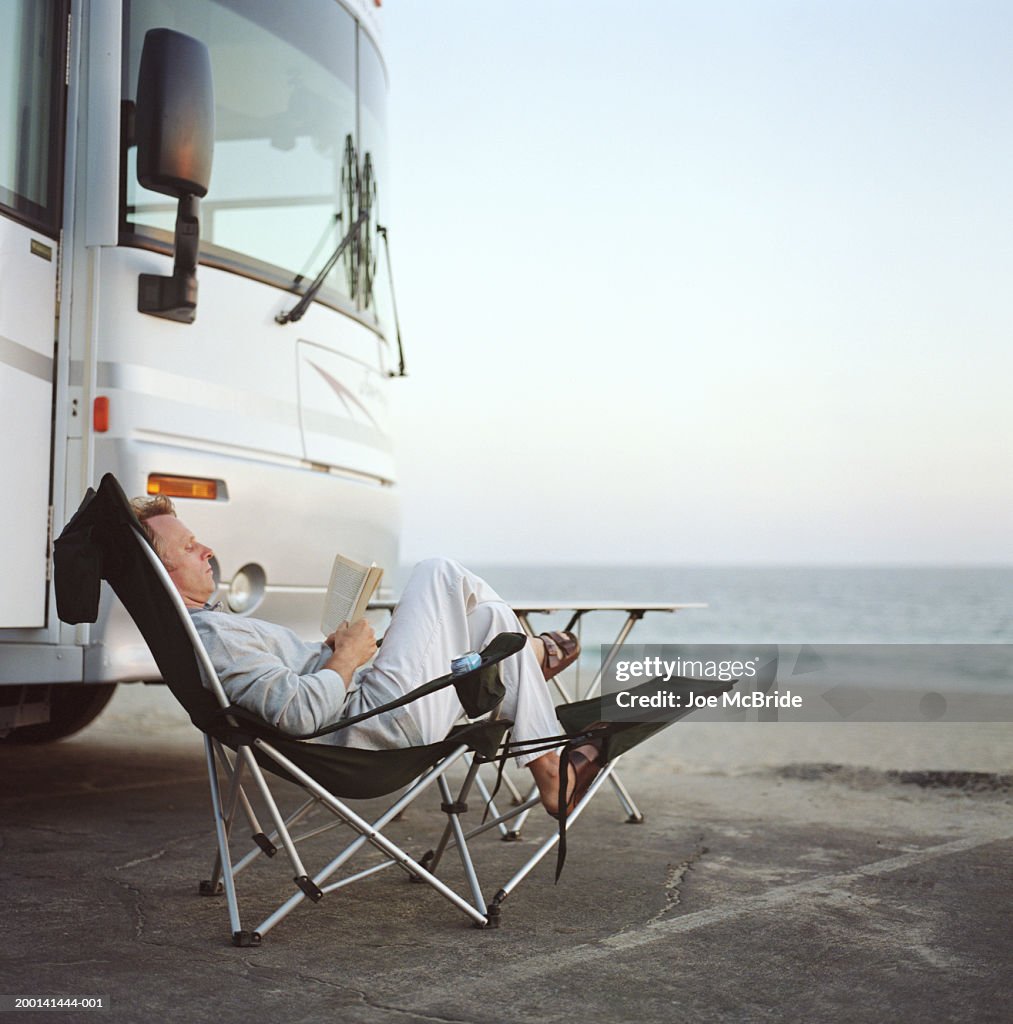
(299, 687)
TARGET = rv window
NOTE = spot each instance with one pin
(32, 40)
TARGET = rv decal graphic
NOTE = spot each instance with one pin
(346, 396)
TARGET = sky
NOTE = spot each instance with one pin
(703, 283)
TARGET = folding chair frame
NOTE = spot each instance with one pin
(225, 809)
(91, 548)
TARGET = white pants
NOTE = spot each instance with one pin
(444, 612)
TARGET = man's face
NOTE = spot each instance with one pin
(186, 559)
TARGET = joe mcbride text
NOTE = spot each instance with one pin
(689, 699)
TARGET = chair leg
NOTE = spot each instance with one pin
(516, 796)
(213, 886)
(265, 841)
(506, 834)
(526, 810)
(549, 843)
(257, 833)
(433, 857)
(221, 834)
(634, 814)
(453, 810)
(237, 794)
(301, 879)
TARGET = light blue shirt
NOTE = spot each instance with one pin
(265, 668)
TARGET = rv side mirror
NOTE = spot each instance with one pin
(174, 127)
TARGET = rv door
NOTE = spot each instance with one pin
(32, 45)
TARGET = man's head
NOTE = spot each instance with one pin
(187, 561)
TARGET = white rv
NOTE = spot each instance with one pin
(122, 351)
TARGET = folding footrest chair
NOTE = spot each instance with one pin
(104, 541)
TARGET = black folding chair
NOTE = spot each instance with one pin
(104, 541)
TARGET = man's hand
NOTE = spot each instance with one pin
(353, 645)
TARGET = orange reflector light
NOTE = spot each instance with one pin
(182, 486)
(100, 414)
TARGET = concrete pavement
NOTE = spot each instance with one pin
(786, 872)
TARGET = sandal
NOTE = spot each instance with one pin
(586, 761)
(561, 650)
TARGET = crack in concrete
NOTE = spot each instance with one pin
(364, 997)
(140, 921)
(188, 838)
(674, 879)
(373, 1004)
(53, 830)
(96, 790)
(32, 876)
(416, 1014)
(66, 963)
(141, 860)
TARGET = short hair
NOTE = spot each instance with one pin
(148, 507)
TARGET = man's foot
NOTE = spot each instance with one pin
(560, 649)
(585, 764)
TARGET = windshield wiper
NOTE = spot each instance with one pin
(401, 371)
(297, 311)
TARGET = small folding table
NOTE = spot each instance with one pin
(634, 611)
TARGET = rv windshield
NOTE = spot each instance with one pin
(289, 92)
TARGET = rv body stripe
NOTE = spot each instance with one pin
(26, 360)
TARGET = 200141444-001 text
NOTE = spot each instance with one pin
(54, 1002)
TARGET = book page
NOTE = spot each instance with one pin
(343, 591)
(350, 588)
(369, 585)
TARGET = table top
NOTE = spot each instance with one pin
(524, 607)
(546, 607)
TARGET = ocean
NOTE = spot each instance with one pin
(966, 614)
(788, 604)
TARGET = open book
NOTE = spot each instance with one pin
(348, 593)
